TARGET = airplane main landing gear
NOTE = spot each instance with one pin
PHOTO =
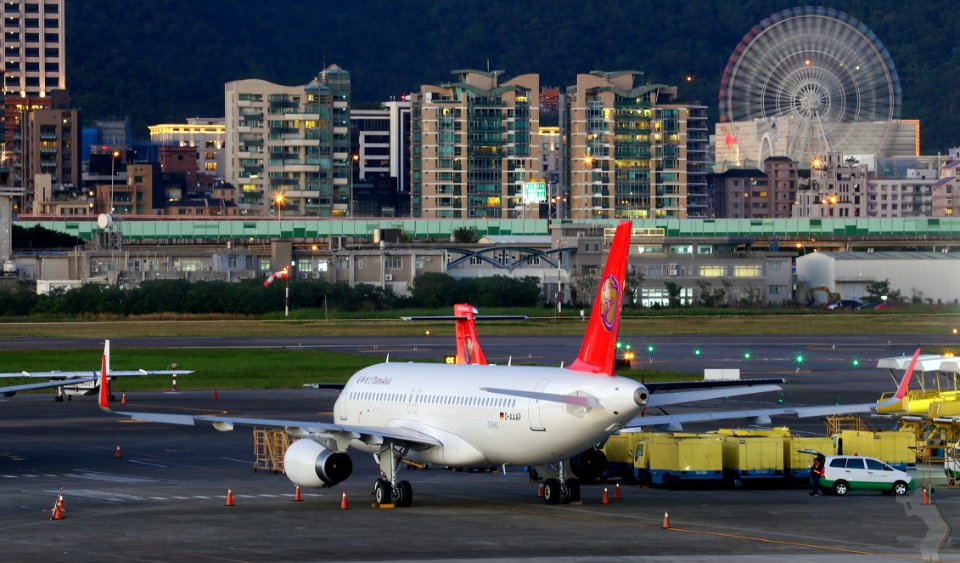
(390, 488)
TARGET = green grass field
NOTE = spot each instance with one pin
(224, 368)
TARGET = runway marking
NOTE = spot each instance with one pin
(158, 498)
(237, 460)
(181, 498)
(268, 495)
(148, 463)
(201, 497)
(30, 475)
(50, 475)
(593, 516)
(11, 476)
(109, 477)
(797, 544)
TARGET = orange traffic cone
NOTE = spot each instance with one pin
(297, 497)
(606, 498)
(229, 497)
(616, 493)
(343, 502)
(116, 453)
(57, 511)
(926, 497)
(540, 491)
(123, 398)
(60, 500)
(666, 520)
(215, 396)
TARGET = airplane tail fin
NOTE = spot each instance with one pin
(905, 382)
(468, 347)
(599, 350)
(104, 375)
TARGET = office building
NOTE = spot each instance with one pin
(475, 148)
(288, 147)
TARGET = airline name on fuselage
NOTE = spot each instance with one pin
(374, 380)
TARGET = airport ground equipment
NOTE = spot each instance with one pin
(897, 449)
(747, 457)
(269, 446)
(666, 459)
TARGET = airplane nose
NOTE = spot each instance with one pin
(640, 396)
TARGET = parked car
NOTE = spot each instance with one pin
(845, 473)
(844, 304)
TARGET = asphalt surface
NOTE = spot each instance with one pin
(164, 498)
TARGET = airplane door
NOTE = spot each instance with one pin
(536, 423)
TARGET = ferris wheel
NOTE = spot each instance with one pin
(820, 80)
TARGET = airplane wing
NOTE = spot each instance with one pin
(675, 422)
(655, 400)
(293, 427)
(668, 385)
(92, 374)
(337, 432)
(11, 390)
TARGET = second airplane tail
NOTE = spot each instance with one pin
(599, 348)
(468, 347)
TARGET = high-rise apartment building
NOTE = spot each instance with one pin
(288, 147)
(475, 148)
(837, 188)
(33, 47)
(630, 150)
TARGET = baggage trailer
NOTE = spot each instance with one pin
(669, 460)
(753, 457)
(798, 462)
(898, 449)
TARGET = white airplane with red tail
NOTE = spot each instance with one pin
(475, 415)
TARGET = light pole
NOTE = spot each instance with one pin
(278, 199)
(113, 176)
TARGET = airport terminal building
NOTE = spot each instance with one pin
(723, 262)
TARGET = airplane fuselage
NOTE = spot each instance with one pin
(477, 427)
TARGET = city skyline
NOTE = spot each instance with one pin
(369, 40)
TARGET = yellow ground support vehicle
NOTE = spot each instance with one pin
(666, 459)
(753, 457)
(897, 449)
(797, 461)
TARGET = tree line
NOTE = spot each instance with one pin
(251, 298)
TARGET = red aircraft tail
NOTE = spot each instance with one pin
(468, 347)
(599, 347)
(104, 391)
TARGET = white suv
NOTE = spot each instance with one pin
(844, 473)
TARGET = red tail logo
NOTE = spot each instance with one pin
(599, 347)
(468, 347)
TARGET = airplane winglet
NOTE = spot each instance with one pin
(104, 369)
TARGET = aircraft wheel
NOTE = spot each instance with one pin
(551, 491)
(69, 397)
(404, 494)
(382, 493)
(573, 490)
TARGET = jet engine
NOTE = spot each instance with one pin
(589, 465)
(309, 464)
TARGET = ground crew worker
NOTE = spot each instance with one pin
(816, 472)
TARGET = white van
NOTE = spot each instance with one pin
(844, 473)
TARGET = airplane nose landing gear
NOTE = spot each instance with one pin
(559, 489)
